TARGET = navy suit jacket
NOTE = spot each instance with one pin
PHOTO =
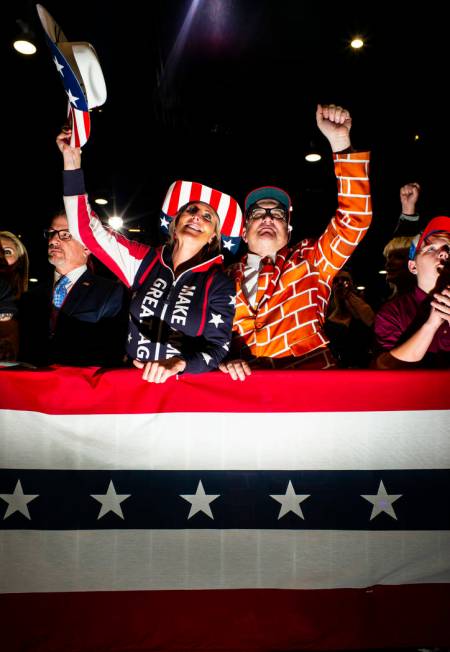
(89, 329)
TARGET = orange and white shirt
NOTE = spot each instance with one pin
(288, 318)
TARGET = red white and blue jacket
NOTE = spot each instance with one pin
(189, 316)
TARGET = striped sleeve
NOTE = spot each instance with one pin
(353, 216)
(122, 256)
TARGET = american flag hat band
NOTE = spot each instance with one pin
(181, 193)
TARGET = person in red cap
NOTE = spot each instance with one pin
(282, 290)
(414, 329)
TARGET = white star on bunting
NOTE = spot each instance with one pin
(18, 501)
(110, 501)
(290, 501)
(58, 65)
(382, 501)
(216, 320)
(164, 222)
(130, 337)
(226, 346)
(232, 300)
(227, 244)
(200, 501)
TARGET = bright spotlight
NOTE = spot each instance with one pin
(357, 43)
(116, 222)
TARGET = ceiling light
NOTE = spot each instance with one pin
(101, 201)
(33, 280)
(312, 157)
(357, 43)
(116, 222)
(24, 43)
(134, 230)
(382, 271)
(360, 287)
(24, 47)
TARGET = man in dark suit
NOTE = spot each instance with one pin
(79, 317)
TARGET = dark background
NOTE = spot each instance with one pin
(231, 105)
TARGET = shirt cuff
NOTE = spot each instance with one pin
(73, 182)
(410, 218)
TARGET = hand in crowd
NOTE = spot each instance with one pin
(335, 124)
(71, 155)
(160, 371)
(238, 369)
(409, 194)
(440, 307)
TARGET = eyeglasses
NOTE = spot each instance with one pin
(277, 213)
(63, 234)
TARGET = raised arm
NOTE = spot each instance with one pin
(122, 256)
(353, 216)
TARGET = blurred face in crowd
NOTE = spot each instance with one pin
(10, 252)
(342, 284)
(266, 232)
(396, 264)
(64, 252)
(431, 260)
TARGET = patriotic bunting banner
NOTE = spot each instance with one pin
(296, 510)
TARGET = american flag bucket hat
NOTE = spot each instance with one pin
(181, 193)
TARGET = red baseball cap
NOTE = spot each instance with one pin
(440, 224)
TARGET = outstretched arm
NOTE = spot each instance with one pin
(122, 256)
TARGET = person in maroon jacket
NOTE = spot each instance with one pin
(414, 329)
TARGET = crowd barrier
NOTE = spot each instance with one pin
(296, 510)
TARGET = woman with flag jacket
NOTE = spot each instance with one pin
(182, 303)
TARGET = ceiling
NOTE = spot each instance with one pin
(228, 98)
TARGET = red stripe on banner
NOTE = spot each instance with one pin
(237, 620)
(196, 191)
(230, 217)
(173, 207)
(101, 391)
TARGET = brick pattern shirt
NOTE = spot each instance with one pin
(288, 319)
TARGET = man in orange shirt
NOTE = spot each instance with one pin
(283, 291)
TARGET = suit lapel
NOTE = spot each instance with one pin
(78, 293)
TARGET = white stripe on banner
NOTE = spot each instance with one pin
(215, 559)
(184, 441)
